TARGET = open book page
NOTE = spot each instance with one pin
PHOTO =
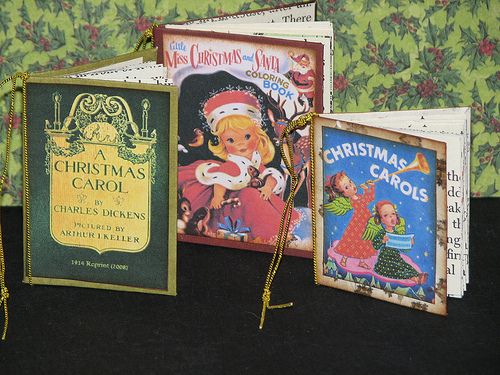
(142, 73)
(320, 32)
(450, 126)
(139, 67)
(299, 12)
(119, 65)
(147, 72)
(117, 62)
(113, 67)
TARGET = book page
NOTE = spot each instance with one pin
(119, 65)
(300, 12)
(149, 72)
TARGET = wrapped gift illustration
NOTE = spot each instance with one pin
(400, 241)
(232, 230)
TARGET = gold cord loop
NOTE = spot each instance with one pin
(147, 36)
(4, 292)
(287, 157)
(4, 295)
(266, 298)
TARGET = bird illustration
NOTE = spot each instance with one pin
(180, 147)
(198, 139)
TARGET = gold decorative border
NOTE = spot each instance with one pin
(313, 197)
(172, 186)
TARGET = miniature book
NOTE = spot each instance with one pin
(450, 125)
(100, 176)
(99, 164)
(390, 209)
(238, 91)
(380, 209)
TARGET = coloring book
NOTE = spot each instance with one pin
(238, 90)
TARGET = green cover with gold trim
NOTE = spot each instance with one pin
(100, 184)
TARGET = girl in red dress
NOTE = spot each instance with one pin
(351, 245)
(234, 117)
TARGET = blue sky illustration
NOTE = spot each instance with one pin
(420, 216)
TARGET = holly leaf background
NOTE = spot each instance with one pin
(389, 55)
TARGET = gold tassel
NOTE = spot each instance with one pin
(148, 35)
(286, 217)
(4, 292)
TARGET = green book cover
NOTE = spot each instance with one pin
(100, 184)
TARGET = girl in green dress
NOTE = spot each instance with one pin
(389, 262)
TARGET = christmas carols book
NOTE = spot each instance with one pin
(390, 205)
(238, 92)
(100, 177)
(453, 127)
(380, 213)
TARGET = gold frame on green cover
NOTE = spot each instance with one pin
(171, 245)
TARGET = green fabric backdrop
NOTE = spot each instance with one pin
(390, 54)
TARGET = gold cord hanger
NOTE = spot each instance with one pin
(147, 36)
(286, 217)
(4, 292)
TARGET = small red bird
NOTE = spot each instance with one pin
(198, 139)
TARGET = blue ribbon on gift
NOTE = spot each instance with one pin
(233, 226)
